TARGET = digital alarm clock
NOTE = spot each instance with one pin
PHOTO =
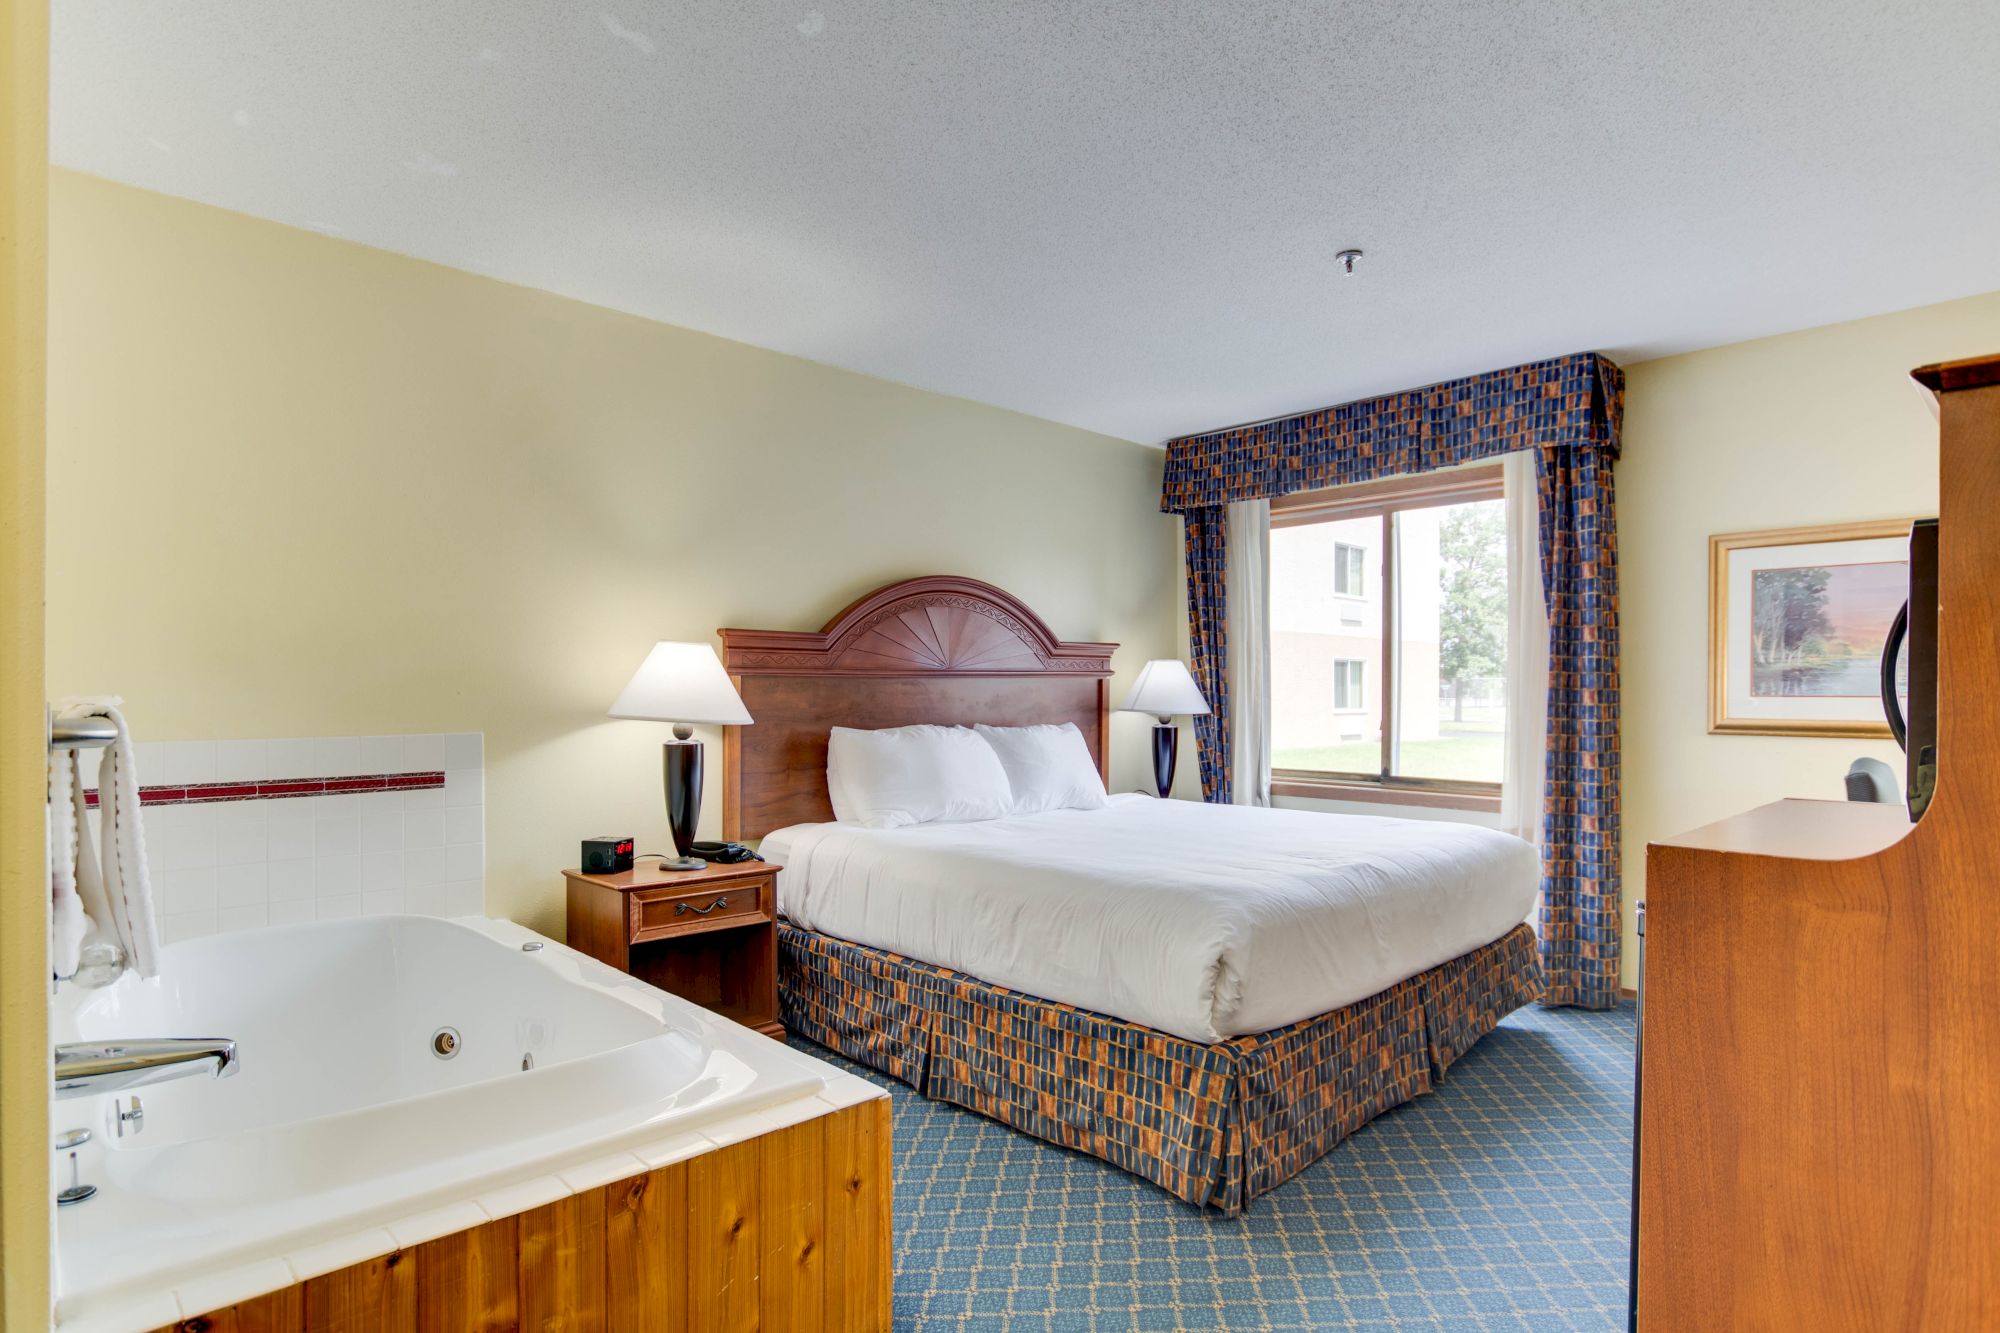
(606, 856)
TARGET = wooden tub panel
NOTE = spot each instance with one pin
(789, 1231)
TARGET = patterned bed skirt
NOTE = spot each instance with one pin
(1214, 1125)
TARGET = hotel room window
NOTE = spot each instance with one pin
(1389, 639)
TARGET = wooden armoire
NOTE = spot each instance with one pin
(1820, 1070)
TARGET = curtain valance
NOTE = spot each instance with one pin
(1566, 402)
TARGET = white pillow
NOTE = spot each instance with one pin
(913, 775)
(1049, 768)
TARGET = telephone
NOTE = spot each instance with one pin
(723, 853)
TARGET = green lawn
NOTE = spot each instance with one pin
(1474, 756)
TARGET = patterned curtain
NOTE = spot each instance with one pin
(1205, 534)
(1568, 410)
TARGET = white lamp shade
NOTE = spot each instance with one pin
(682, 682)
(1165, 689)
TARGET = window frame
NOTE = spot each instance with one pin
(1383, 500)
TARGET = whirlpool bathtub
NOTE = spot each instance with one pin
(400, 1078)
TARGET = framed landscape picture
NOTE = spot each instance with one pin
(1797, 619)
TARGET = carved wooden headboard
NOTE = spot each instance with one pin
(941, 649)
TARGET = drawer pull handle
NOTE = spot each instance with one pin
(681, 908)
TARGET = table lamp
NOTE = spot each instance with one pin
(682, 683)
(1165, 689)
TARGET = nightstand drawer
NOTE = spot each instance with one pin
(656, 913)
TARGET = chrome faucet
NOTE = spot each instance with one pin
(84, 1068)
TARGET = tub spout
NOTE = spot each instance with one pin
(85, 1068)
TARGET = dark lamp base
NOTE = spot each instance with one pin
(1166, 742)
(681, 762)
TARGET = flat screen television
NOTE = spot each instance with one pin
(1914, 632)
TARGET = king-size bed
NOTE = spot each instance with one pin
(1210, 997)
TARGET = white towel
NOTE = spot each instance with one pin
(68, 923)
(111, 883)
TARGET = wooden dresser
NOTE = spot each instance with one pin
(1820, 1091)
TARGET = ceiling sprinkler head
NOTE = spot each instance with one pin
(1346, 260)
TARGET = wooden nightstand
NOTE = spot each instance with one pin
(709, 936)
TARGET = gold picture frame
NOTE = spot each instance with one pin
(1736, 703)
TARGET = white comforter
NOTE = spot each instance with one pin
(1201, 920)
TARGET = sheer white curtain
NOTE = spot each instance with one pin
(1527, 653)
(1248, 594)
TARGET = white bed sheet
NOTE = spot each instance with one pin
(1205, 921)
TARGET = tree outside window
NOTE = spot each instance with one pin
(1472, 614)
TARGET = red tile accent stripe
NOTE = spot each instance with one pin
(209, 793)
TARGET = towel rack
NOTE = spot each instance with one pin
(81, 733)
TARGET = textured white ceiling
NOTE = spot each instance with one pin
(1120, 214)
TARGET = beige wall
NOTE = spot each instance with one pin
(299, 487)
(25, 1202)
(1823, 426)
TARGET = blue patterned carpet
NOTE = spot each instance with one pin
(1497, 1202)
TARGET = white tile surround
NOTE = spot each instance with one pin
(229, 865)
